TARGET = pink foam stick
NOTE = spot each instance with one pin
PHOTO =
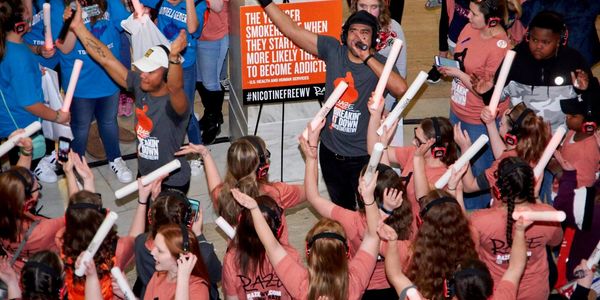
(550, 216)
(138, 7)
(549, 151)
(331, 101)
(508, 60)
(413, 294)
(48, 43)
(385, 74)
(72, 83)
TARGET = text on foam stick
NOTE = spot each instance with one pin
(72, 84)
(48, 43)
(146, 180)
(331, 100)
(385, 74)
(548, 216)
(462, 160)
(226, 227)
(403, 102)
(549, 151)
(101, 233)
(122, 283)
(12, 142)
(373, 161)
(506, 64)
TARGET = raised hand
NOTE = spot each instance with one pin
(185, 265)
(393, 197)
(243, 199)
(461, 137)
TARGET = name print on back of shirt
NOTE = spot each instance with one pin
(254, 286)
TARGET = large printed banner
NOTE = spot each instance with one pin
(273, 68)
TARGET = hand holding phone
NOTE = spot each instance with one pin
(195, 207)
(445, 62)
(64, 147)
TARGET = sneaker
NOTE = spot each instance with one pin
(196, 165)
(429, 4)
(120, 168)
(434, 76)
(45, 171)
(51, 160)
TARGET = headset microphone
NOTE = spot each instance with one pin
(362, 46)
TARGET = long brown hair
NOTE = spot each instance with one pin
(327, 262)
(443, 240)
(174, 241)
(384, 18)
(242, 162)
(446, 137)
(250, 250)
(533, 133)
(13, 195)
(11, 13)
(166, 209)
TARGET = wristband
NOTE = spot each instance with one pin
(369, 204)
(142, 203)
(25, 152)
(175, 62)
(367, 59)
(57, 116)
(264, 3)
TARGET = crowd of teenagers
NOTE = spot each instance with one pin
(384, 233)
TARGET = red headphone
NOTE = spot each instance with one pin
(512, 136)
(262, 172)
(493, 22)
(438, 150)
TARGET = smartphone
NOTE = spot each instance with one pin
(195, 206)
(446, 62)
(64, 146)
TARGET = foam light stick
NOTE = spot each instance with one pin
(72, 83)
(506, 64)
(594, 258)
(331, 101)
(462, 160)
(549, 151)
(92, 248)
(48, 43)
(403, 102)
(373, 161)
(385, 74)
(413, 294)
(146, 180)
(12, 142)
(546, 216)
(122, 282)
(226, 227)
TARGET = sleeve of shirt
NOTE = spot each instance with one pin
(230, 282)
(289, 194)
(124, 253)
(132, 80)
(200, 13)
(403, 154)
(326, 44)
(505, 290)
(198, 288)
(293, 275)
(118, 13)
(347, 219)
(360, 269)
(151, 3)
(28, 92)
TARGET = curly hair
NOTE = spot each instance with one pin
(532, 132)
(384, 18)
(327, 262)
(401, 217)
(446, 136)
(81, 225)
(250, 250)
(13, 195)
(168, 208)
(516, 183)
(41, 276)
(442, 242)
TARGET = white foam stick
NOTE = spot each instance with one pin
(138, 7)
(122, 282)
(413, 294)
(385, 74)
(12, 142)
(101, 233)
(72, 83)
(594, 258)
(508, 60)
(549, 151)
(226, 227)
(48, 43)
(331, 100)
(373, 161)
(146, 180)
(549, 216)
(462, 160)
(403, 102)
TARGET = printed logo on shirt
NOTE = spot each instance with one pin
(256, 295)
(148, 145)
(459, 92)
(504, 258)
(501, 44)
(262, 286)
(345, 115)
(501, 249)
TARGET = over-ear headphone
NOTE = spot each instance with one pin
(438, 150)
(168, 52)
(262, 171)
(512, 136)
(185, 238)
(181, 197)
(325, 235)
(45, 272)
(27, 184)
(557, 19)
(363, 16)
(492, 11)
(435, 202)
(84, 205)
(275, 216)
(589, 126)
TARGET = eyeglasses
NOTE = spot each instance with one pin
(38, 188)
(417, 140)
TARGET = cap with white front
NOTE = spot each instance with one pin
(154, 58)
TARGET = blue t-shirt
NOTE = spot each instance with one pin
(94, 81)
(36, 35)
(21, 85)
(171, 19)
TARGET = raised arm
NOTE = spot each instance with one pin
(463, 140)
(145, 193)
(213, 178)
(419, 175)
(370, 241)
(68, 168)
(518, 253)
(305, 39)
(25, 149)
(498, 146)
(216, 5)
(374, 122)
(396, 85)
(175, 78)
(192, 17)
(393, 269)
(274, 250)
(97, 50)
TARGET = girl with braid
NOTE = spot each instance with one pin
(516, 184)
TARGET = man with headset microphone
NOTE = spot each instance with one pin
(343, 150)
(161, 108)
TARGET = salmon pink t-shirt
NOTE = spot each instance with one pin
(494, 251)
(504, 290)
(355, 226)
(160, 288)
(490, 173)
(295, 276)
(265, 285)
(584, 155)
(481, 57)
(216, 25)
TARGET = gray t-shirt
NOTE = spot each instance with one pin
(345, 131)
(160, 132)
